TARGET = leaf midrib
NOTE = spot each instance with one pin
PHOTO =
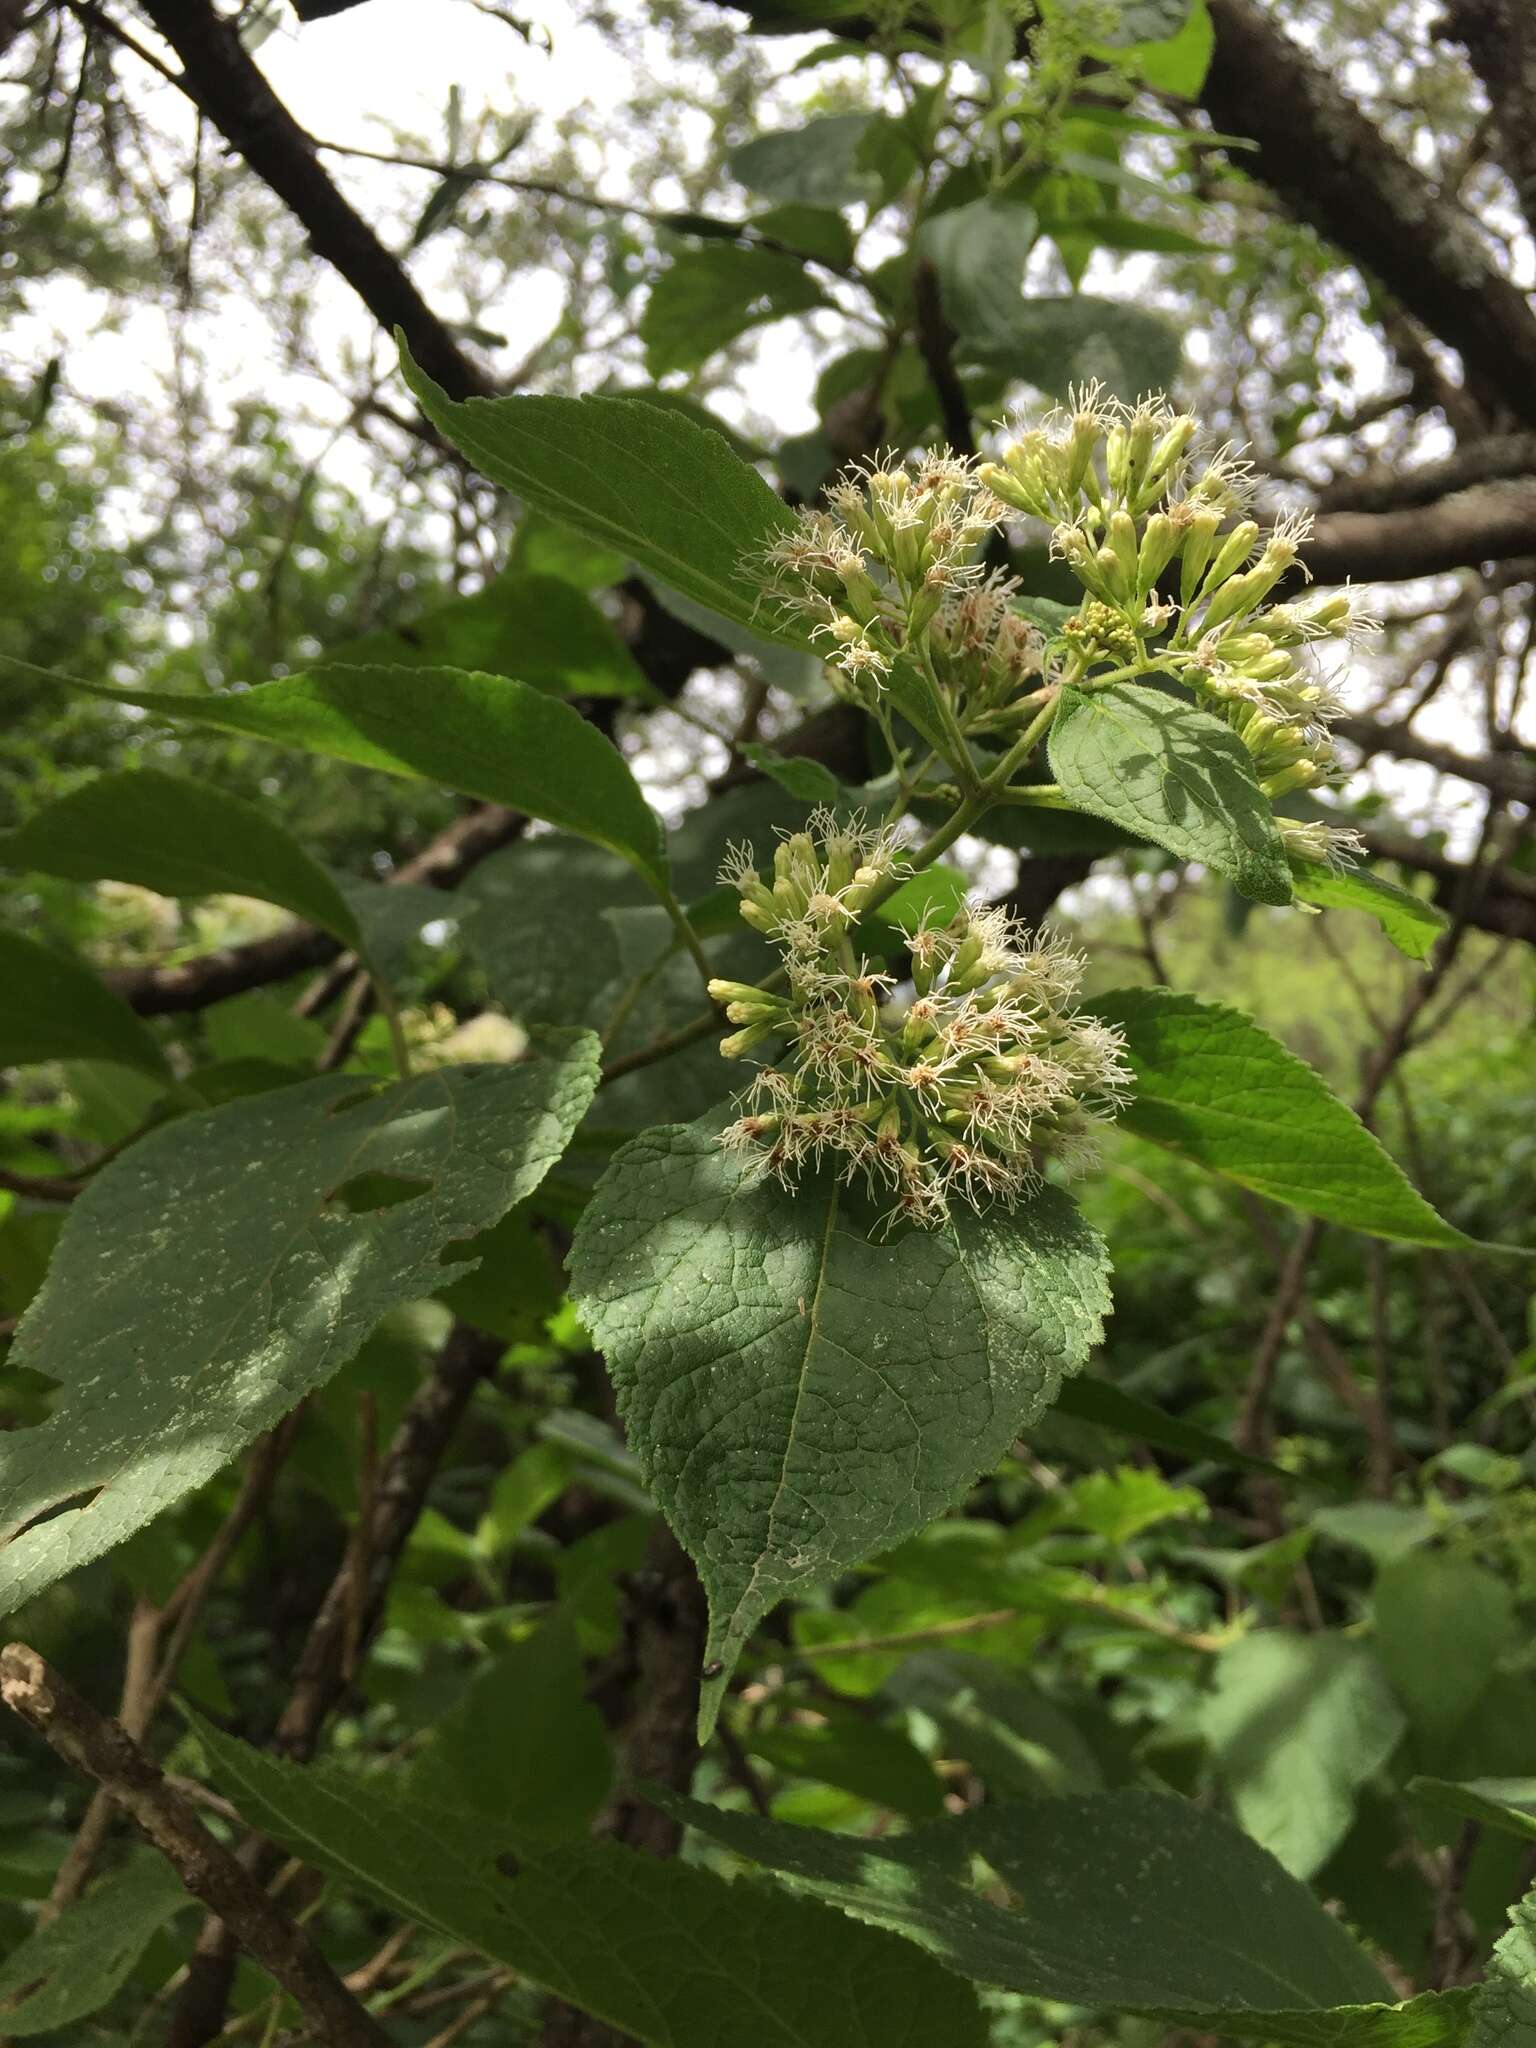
(813, 1320)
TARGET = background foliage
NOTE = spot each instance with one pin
(1209, 1710)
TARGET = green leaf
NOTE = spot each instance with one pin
(799, 1394)
(1382, 1529)
(1117, 1506)
(811, 781)
(1216, 1088)
(1146, 21)
(182, 838)
(1122, 231)
(1021, 1742)
(819, 164)
(1410, 922)
(1058, 342)
(707, 297)
(392, 916)
(643, 478)
(55, 1009)
(539, 627)
(1297, 1724)
(1442, 1624)
(523, 1748)
(1174, 775)
(979, 252)
(1508, 1804)
(1178, 63)
(813, 230)
(1504, 2010)
(488, 736)
(533, 918)
(866, 1758)
(1130, 1901)
(666, 1952)
(215, 1272)
(513, 1288)
(69, 1968)
(930, 897)
(1109, 1407)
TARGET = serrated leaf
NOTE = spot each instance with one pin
(1411, 922)
(1297, 1725)
(668, 1953)
(640, 477)
(56, 1009)
(182, 838)
(67, 1969)
(1504, 2008)
(214, 1273)
(1177, 776)
(488, 736)
(1128, 1901)
(800, 1394)
(1121, 1504)
(1059, 342)
(1216, 1088)
(818, 164)
(708, 297)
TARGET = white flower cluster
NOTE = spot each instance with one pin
(953, 1097)
(898, 543)
(1128, 498)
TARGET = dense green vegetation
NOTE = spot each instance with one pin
(1002, 1510)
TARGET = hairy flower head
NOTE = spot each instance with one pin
(954, 1097)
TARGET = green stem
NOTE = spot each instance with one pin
(629, 998)
(956, 751)
(384, 997)
(961, 820)
(688, 936)
(1022, 747)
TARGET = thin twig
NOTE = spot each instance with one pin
(40, 1187)
(103, 1750)
(422, 1437)
(362, 1535)
(149, 1668)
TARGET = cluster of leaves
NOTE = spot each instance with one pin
(1068, 1761)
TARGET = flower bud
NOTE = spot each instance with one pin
(1235, 597)
(1232, 553)
(734, 992)
(1304, 775)
(1127, 548)
(1201, 527)
(740, 1043)
(1159, 544)
(1171, 447)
